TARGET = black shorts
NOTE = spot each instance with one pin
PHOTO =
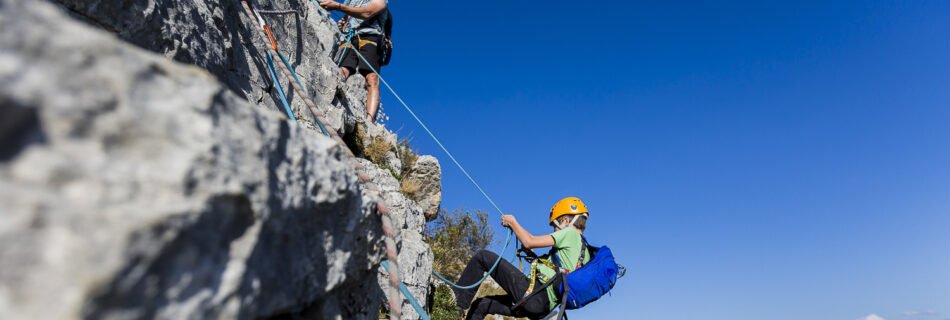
(367, 45)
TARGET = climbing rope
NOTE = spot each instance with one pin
(412, 300)
(294, 73)
(405, 105)
(297, 86)
(367, 182)
(346, 45)
(278, 11)
(474, 285)
(261, 24)
(444, 149)
(280, 91)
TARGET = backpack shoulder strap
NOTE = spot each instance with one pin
(584, 251)
(388, 26)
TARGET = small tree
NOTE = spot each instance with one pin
(456, 237)
(443, 304)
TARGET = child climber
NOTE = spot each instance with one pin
(569, 219)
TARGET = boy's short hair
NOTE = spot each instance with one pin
(580, 224)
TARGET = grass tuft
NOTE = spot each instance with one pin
(409, 188)
(376, 150)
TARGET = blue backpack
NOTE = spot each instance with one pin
(585, 284)
(591, 281)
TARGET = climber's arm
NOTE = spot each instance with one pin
(527, 240)
(369, 11)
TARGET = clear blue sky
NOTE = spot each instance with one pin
(743, 159)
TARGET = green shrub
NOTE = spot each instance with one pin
(455, 238)
(443, 305)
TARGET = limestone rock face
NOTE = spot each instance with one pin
(217, 35)
(415, 257)
(428, 173)
(171, 185)
(415, 266)
(135, 187)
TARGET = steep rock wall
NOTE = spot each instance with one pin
(136, 187)
(217, 36)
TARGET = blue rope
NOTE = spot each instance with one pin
(413, 114)
(273, 76)
(346, 45)
(294, 73)
(474, 285)
(405, 292)
(430, 133)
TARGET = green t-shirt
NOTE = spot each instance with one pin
(567, 246)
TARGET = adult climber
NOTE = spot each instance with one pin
(366, 18)
(569, 219)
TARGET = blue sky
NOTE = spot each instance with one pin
(743, 159)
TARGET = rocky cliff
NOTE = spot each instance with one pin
(146, 172)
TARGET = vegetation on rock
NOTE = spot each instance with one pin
(376, 151)
(454, 238)
(409, 188)
(407, 155)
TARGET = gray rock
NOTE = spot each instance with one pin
(415, 266)
(415, 256)
(374, 131)
(407, 215)
(217, 36)
(429, 175)
(135, 187)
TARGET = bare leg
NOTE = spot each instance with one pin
(372, 96)
(345, 72)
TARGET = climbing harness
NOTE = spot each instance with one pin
(346, 44)
(534, 260)
(590, 281)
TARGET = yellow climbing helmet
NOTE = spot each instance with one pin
(569, 205)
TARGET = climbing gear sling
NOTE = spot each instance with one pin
(386, 47)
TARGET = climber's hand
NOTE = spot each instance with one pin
(341, 24)
(329, 4)
(508, 220)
